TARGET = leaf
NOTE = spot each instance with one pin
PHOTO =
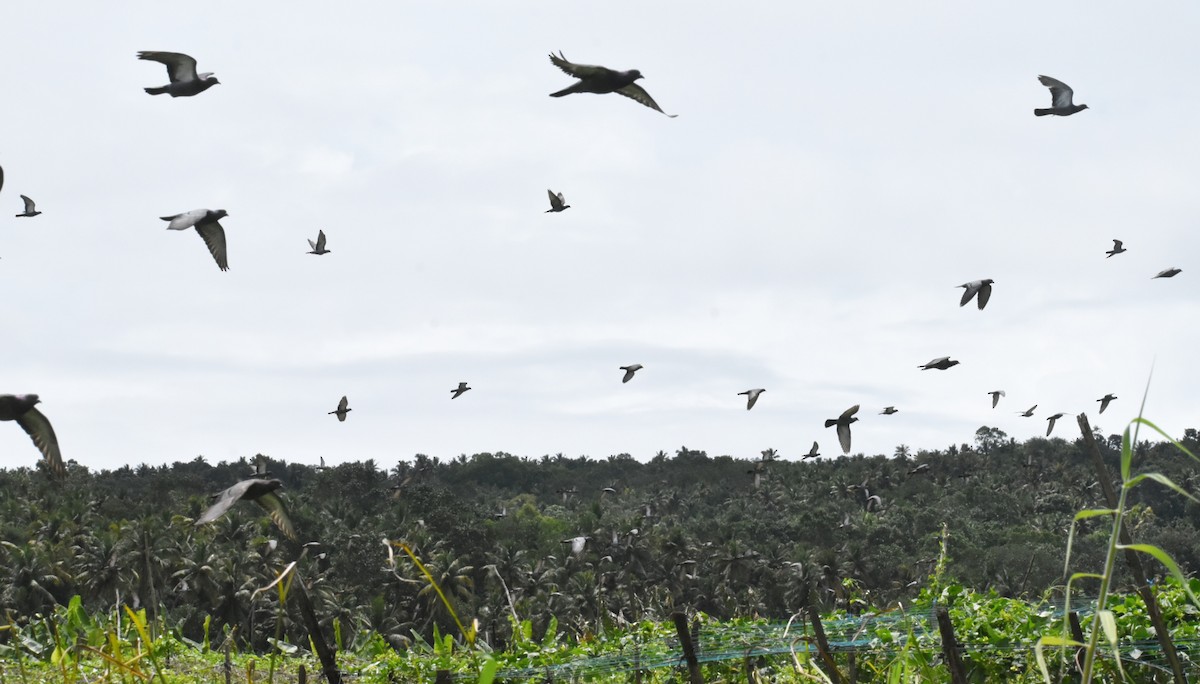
(488, 672)
(1162, 480)
(1094, 512)
(1167, 561)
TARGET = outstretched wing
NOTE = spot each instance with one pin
(578, 70)
(225, 500)
(185, 220)
(320, 240)
(849, 412)
(38, 428)
(637, 93)
(273, 505)
(214, 238)
(29, 205)
(985, 293)
(1060, 93)
(180, 67)
(843, 430)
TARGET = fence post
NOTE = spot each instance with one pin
(1077, 635)
(689, 650)
(324, 653)
(823, 647)
(950, 647)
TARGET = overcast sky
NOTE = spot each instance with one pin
(835, 171)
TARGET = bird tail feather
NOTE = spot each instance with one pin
(1042, 112)
(156, 91)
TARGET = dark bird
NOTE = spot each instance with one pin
(996, 394)
(260, 467)
(1060, 98)
(322, 466)
(1050, 426)
(889, 411)
(598, 79)
(1117, 249)
(557, 203)
(940, 363)
(1029, 413)
(318, 247)
(206, 223)
(1169, 273)
(843, 426)
(982, 288)
(459, 391)
(342, 409)
(751, 397)
(812, 453)
(1104, 401)
(261, 492)
(185, 82)
(924, 467)
(629, 371)
(30, 208)
(20, 407)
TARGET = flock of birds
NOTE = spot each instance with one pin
(185, 81)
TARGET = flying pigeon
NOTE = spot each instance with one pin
(843, 426)
(206, 222)
(577, 544)
(940, 363)
(1029, 413)
(1104, 401)
(1117, 249)
(261, 492)
(342, 409)
(924, 467)
(20, 407)
(260, 466)
(598, 79)
(1060, 98)
(981, 287)
(812, 453)
(185, 82)
(889, 411)
(751, 397)
(459, 391)
(322, 466)
(996, 394)
(557, 203)
(1169, 273)
(30, 209)
(318, 247)
(1050, 427)
(629, 371)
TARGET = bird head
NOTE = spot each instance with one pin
(219, 214)
(635, 74)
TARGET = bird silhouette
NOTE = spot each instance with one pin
(459, 391)
(30, 208)
(557, 203)
(996, 394)
(980, 288)
(1104, 401)
(751, 397)
(843, 426)
(1028, 413)
(1168, 273)
(181, 69)
(940, 363)
(1050, 426)
(261, 492)
(342, 409)
(1061, 99)
(629, 371)
(318, 247)
(812, 453)
(600, 80)
(889, 411)
(207, 224)
(1117, 249)
(20, 407)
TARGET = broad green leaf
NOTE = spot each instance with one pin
(488, 672)
(1167, 561)
(1162, 480)
(1094, 512)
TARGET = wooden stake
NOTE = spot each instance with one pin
(689, 650)
(958, 675)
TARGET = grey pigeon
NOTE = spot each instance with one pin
(1104, 401)
(342, 409)
(30, 208)
(206, 223)
(996, 394)
(1050, 426)
(318, 247)
(1117, 249)
(1168, 273)
(185, 82)
(629, 371)
(20, 407)
(940, 363)
(1028, 413)
(889, 411)
(459, 391)
(924, 467)
(557, 203)
(261, 492)
(1060, 98)
(598, 79)
(577, 544)
(843, 426)
(751, 397)
(260, 466)
(812, 453)
(982, 288)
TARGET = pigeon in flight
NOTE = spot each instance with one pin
(260, 467)
(940, 363)
(1117, 249)
(889, 411)
(557, 203)
(598, 79)
(459, 391)
(996, 394)
(1169, 273)
(185, 82)
(207, 223)
(20, 407)
(318, 247)
(751, 397)
(1104, 401)
(1050, 426)
(843, 426)
(812, 453)
(1060, 98)
(261, 492)
(577, 544)
(983, 288)
(30, 208)
(342, 409)
(923, 468)
(1029, 413)
(629, 371)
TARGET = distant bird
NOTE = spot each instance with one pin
(318, 247)
(261, 492)
(577, 544)
(502, 514)
(322, 466)
(983, 288)
(1, 177)
(185, 82)
(1169, 273)
(607, 490)
(629, 371)
(924, 467)
(557, 202)
(1104, 401)
(342, 409)
(751, 397)
(459, 391)
(843, 426)
(996, 394)
(206, 222)
(812, 453)
(1029, 413)
(1061, 96)
(1117, 249)
(1050, 426)
(30, 208)
(600, 80)
(940, 363)
(20, 407)
(260, 467)
(889, 411)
